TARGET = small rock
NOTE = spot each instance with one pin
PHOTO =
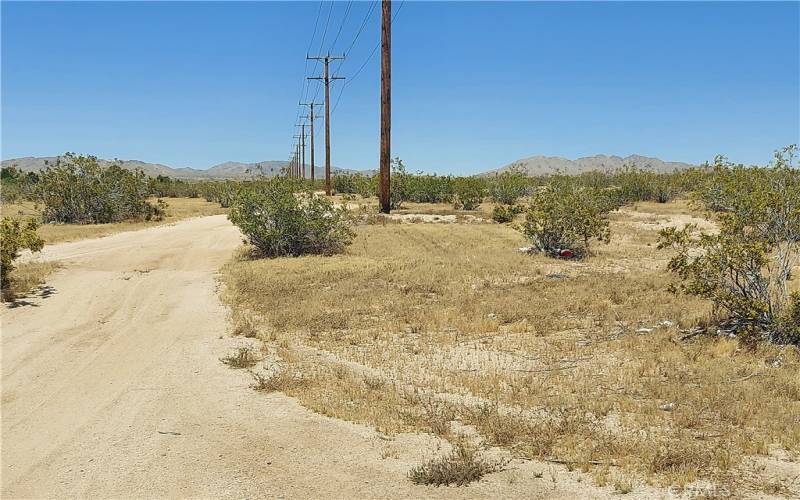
(666, 323)
(526, 249)
(668, 406)
(644, 330)
(491, 316)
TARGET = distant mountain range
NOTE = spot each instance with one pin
(535, 165)
(227, 170)
(546, 165)
(543, 165)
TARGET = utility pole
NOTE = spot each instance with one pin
(311, 117)
(301, 151)
(327, 79)
(386, 105)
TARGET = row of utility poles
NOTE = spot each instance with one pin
(297, 162)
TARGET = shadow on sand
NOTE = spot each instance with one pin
(41, 292)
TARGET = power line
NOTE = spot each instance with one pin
(366, 61)
(344, 18)
(304, 86)
(360, 29)
(321, 43)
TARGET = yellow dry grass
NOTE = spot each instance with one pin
(420, 325)
(26, 276)
(178, 208)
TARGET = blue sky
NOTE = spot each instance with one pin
(475, 84)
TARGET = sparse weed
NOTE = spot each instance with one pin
(462, 466)
(244, 357)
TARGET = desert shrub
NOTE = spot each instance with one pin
(744, 268)
(506, 188)
(399, 185)
(430, 189)
(243, 357)
(460, 467)
(506, 213)
(566, 217)
(162, 186)
(16, 184)
(281, 222)
(469, 192)
(77, 189)
(222, 192)
(345, 183)
(367, 186)
(16, 235)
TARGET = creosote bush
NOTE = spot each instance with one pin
(744, 269)
(508, 187)
(281, 219)
(469, 192)
(16, 235)
(506, 213)
(77, 189)
(563, 216)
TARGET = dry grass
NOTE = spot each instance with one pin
(178, 208)
(27, 276)
(462, 466)
(419, 325)
(243, 357)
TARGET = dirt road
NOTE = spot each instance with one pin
(111, 387)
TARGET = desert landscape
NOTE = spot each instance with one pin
(516, 250)
(436, 347)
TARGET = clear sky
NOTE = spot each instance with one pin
(475, 84)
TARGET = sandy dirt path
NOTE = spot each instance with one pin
(112, 387)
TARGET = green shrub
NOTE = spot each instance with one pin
(16, 235)
(222, 192)
(162, 186)
(280, 222)
(430, 189)
(344, 183)
(77, 189)
(506, 213)
(564, 218)
(744, 268)
(508, 187)
(469, 192)
(399, 185)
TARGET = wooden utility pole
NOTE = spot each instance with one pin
(301, 151)
(386, 106)
(311, 118)
(327, 79)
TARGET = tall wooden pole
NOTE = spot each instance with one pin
(327, 131)
(311, 116)
(326, 78)
(386, 105)
(303, 149)
(313, 168)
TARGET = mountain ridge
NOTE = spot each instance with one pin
(544, 165)
(533, 165)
